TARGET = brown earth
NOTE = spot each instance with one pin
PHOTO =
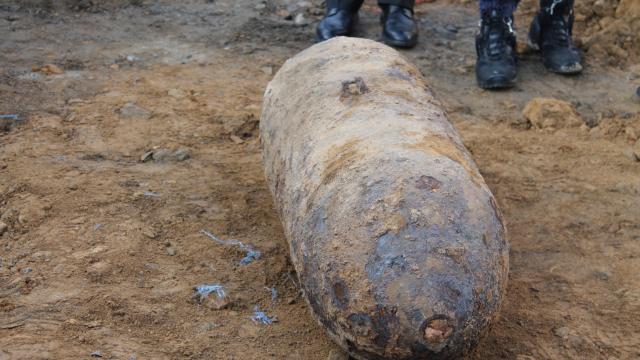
(149, 135)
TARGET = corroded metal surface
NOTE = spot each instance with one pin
(397, 241)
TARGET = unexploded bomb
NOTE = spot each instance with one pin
(397, 240)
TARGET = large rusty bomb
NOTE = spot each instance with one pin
(397, 240)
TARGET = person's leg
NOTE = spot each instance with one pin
(505, 7)
(496, 45)
(551, 32)
(339, 20)
(398, 25)
(402, 3)
(350, 5)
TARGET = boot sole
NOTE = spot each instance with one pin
(319, 40)
(400, 44)
(348, 33)
(564, 70)
(497, 83)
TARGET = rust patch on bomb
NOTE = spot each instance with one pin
(448, 148)
(455, 253)
(437, 332)
(340, 157)
(428, 183)
(340, 294)
(360, 324)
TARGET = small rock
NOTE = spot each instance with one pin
(208, 326)
(48, 69)
(638, 93)
(161, 155)
(22, 218)
(131, 110)
(451, 28)
(177, 93)
(614, 228)
(602, 275)
(98, 269)
(284, 14)
(260, 6)
(77, 221)
(217, 303)
(267, 70)
(132, 58)
(561, 332)
(631, 134)
(3, 228)
(171, 251)
(96, 354)
(130, 183)
(300, 20)
(460, 70)
(604, 8)
(546, 113)
(337, 354)
(636, 150)
(181, 155)
(75, 101)
(630, 153)
(236, 139)
(149, 233)
(150, 194)
(525, 357)
(9, 120)
(146, 156)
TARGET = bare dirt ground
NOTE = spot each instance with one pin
(146, 133)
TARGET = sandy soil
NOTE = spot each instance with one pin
(147, 134)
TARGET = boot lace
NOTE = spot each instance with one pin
(499, 28)
(559, 24)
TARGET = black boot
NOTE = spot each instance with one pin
(496, 49)
(340, 19)
(398, 26)
(551, 32)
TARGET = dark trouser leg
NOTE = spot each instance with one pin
(547, 4)
(402, 3)
(504, 7)
(349, 5)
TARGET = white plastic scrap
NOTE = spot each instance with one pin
(204, 290)
(274, 293)
(259, 317)
(250, 253)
